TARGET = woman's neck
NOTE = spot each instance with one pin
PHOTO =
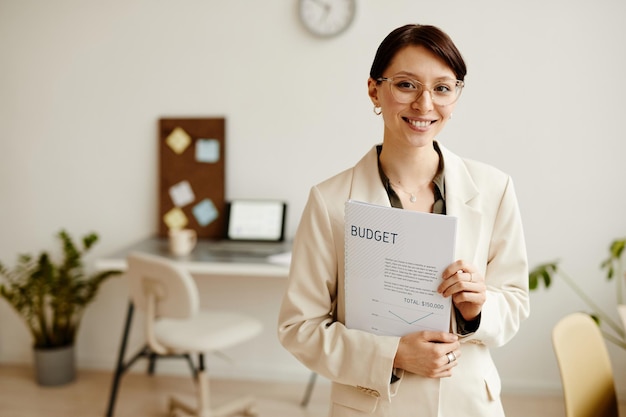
(410, 168)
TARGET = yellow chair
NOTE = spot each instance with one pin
(175, 325)
(585, 367)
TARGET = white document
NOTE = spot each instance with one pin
(394, 260)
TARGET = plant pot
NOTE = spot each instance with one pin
(55, 366)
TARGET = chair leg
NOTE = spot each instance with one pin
(243, 406)
(176, 404)
(194, 371)
(152, 358)
(204, 399)
(309, 390)
(119, 369)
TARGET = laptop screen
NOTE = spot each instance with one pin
(256, 220)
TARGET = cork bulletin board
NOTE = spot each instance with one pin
(191, 184)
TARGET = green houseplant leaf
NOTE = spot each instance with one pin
(614, 266)
(543, 272)
(50, 295)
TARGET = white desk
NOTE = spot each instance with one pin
(200, 261)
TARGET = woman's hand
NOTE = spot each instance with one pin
(466, 286)
(425, 353)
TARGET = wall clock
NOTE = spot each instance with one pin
(326, 18)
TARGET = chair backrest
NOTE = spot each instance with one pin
(585, 366)
(175, 290)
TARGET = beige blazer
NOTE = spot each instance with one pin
(358, 363)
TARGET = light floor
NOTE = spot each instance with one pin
(146, 396)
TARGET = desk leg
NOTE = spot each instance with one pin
(309, 390)
(119, 370)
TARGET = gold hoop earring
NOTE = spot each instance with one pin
(377, 110)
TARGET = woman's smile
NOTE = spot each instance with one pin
(419, 124)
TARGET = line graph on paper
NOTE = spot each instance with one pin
(407, 321)
(393, 264)
(395, 319)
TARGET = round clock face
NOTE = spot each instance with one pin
(326, 18)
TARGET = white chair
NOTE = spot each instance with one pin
(585, 366)
(175, 324)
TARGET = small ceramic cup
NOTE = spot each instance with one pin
(182, 241)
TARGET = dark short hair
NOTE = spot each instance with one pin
(430, 37)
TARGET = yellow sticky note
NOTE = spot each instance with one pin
(178, 140)
(175, 219)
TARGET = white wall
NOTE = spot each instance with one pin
(83, 83)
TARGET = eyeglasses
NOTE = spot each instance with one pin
(406, 90)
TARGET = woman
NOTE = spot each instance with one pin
(415, 82)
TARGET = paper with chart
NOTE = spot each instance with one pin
(394, 260)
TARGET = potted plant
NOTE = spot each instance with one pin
(614, 266)
(51, 297)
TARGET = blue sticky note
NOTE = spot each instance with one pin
(205, 212)
(207, 150)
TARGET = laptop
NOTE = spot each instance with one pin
(254, 227)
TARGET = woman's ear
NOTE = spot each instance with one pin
(372, 91)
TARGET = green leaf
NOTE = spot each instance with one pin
(543, 272)
(616, 250)
(595, 318)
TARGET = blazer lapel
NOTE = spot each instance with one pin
(461, 198)
(366, 183)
